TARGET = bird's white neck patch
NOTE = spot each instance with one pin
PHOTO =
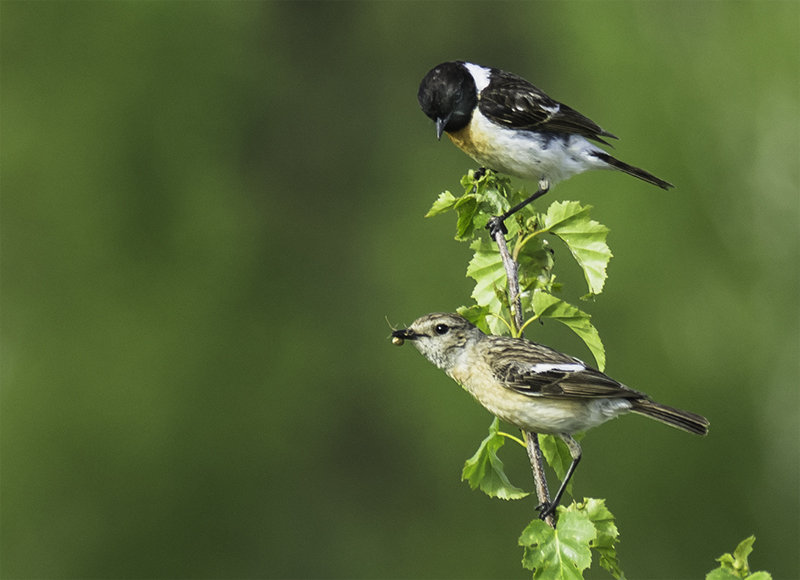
(480, 73)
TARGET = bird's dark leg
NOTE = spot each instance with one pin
(478, 173)
(497, 223)
(545, 509)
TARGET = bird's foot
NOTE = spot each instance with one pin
(497, 225)
(546, 509)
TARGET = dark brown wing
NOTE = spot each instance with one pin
(512, 101)
(538, 371)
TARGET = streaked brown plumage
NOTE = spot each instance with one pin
(532, 386)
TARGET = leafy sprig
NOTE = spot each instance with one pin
(569, 221)
(564, 552)
(585, 528)
(484, 470)
(735, 566)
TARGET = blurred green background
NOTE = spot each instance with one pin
(211, 212)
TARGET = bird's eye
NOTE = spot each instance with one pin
(441, 329)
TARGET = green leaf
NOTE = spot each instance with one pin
(484, 470)
(482, 199)
(742, 551)
(727, 574)
(494, 202)
(581, 527)
(737, 562)
(546, 305)
(493, 191)
(722, 574)
(561, 553)
(467, 208)
(486, 268)
(535, 260)
(557, 455)
(605, 544)
(443, 203)
(736, 566)
(477, 315)
(585, 238)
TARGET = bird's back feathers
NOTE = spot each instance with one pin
(536, 370)
(514, 102)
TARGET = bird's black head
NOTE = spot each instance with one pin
(448, 96)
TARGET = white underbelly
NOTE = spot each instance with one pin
(524, 153)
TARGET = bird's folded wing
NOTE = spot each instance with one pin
(569, 380)
(514, 102)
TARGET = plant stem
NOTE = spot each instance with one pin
(537, 467)
(514, 299)
(531, 440)
(510, 436)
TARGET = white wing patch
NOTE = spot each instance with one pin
(480, 74)
(552, 110)
(541, 368)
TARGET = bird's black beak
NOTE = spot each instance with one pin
(398, 336)
(441, 123)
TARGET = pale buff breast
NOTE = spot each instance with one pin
(536, 414)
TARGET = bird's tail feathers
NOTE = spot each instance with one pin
(685, 420)
(631, 170)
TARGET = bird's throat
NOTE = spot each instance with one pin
(463, 139)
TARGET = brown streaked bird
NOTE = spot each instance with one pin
(532, 386)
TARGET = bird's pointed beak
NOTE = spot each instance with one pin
(440, 125)
(403, 334)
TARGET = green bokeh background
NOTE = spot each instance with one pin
(211, 212)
